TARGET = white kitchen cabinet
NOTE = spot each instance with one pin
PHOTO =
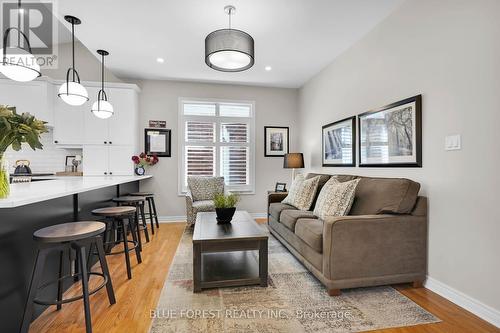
(32, 97)
(113, 160)
(69, 123)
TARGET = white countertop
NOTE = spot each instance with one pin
(27, 193)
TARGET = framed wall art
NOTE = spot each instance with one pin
(158, 141)
(339, 146)
(276, 141)
(391, 136)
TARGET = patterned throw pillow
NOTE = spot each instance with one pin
(335, 198)
(302, 192)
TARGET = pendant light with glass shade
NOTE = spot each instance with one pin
(229, 50)
(102, 108)
(72, 92)
(19, 64)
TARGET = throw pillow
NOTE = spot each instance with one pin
(302, 192)
(335, 198)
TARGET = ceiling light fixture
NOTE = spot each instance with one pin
(229, 50)
(268, 68)
(102, 108)
(160, 60)
(21, 65)
(72, 92)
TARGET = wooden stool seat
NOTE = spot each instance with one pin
(114, 211)
(67, 232)
(129, 199)
(142, 194)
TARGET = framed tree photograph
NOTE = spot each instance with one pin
(276, 141)
(339, 148)
(158, 141)
(391, 136)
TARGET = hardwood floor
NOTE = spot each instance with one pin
(136, 297)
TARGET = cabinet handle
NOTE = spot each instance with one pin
(105, 142)
(55, 141)
(110, 142)
(105, 173)
(110, 173)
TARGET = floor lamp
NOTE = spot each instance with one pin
(293, 161)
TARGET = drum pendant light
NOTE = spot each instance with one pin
(102, 108)
(20, 64)
(72, 92)
(229, 50)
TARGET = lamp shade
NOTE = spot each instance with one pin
(229, 50)
(293, 161)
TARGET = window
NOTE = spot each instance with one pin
(217, 138)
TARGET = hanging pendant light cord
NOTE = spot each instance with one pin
(102, 73)
(19, 23)
(230, 12)
(73, 47)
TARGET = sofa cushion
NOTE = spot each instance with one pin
(205, 188)
(276, 208)
(384, 195)
(289, 217)
(302, 192)
(323, 178)
(311, 232)
(335, 198)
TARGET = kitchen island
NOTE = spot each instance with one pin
(35, 205)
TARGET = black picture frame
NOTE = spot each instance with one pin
(69, 160)
(167, 133)
(278, 188)
(268, 145)
(417, 100)
(352, 121)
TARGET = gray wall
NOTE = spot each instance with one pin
(273, 106)
(448, 51)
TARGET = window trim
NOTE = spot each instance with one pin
(217, 144)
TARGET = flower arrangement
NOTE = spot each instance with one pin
(16, 129)
(144, 159)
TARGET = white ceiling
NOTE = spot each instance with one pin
(296, 37)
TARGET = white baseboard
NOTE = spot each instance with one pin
(481, 310)
(182, 218)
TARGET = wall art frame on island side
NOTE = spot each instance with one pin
(391, 136)
(339, 143)
(276, 141)
(158, 141)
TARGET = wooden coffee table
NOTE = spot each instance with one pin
(223, 253)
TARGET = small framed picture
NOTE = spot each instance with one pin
(280, 187)
(158, 141)
(276, 141)
(339, 148)
(391, 136)
(69, 160)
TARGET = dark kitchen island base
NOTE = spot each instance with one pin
(18, 251)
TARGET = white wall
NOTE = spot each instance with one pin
(448, 51)
(273, 106)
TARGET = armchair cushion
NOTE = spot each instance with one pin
(311, 232)
(204, 206)
(289, 217)
(205, 188)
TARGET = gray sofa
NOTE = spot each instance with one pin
(382, 241)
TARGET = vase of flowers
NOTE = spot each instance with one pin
(225, 207)
(16, 129)
(141, 161)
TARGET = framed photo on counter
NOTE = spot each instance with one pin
(158, 141)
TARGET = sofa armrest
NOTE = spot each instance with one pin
(275, 197)
(374, 246)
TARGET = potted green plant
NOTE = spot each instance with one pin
(16, 129)
(225, 206)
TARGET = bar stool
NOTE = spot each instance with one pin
(138, 203)
(151, 208)
(120, 219)
(65, 237)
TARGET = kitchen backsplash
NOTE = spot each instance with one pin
(48, 160)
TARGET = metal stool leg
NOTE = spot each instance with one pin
(144, 224)
(125, 247)
(151, 215)
(105, 269)
(133, 231)
(154, 209)
(60, 282)
(137, 229)
(85, 286)
(35, 281)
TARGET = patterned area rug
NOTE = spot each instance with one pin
(295, 301)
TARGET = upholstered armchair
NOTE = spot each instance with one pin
(200, 195)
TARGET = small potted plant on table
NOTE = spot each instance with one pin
(141, 161)
(225, 206)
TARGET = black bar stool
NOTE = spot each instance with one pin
(120, 219)
(151, 208)
(138, 203)
(66, 237)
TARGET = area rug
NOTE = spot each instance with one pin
(295, 301)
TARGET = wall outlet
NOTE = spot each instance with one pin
(453, 142)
